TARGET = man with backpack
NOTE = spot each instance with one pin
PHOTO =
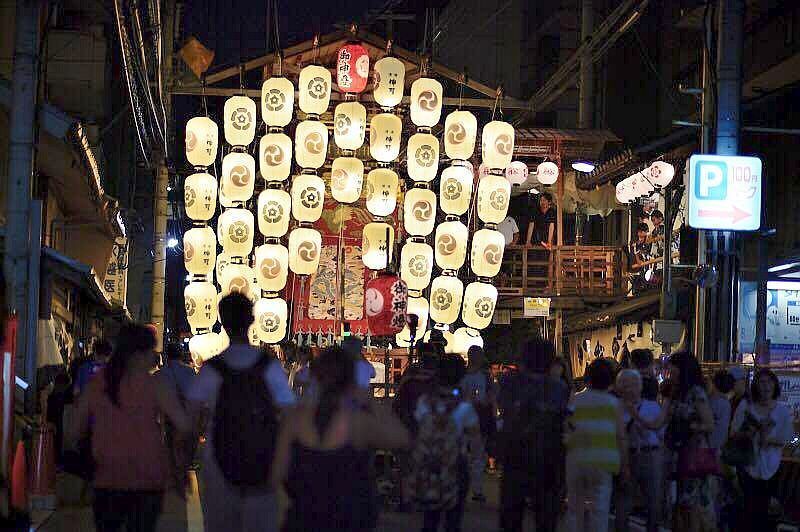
(243, 390)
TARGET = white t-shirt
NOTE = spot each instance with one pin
(767, 458)
(508, 227)
(640, 436)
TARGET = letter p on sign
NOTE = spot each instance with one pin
(711, 180)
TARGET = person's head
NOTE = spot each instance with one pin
(657, 217)
(765, 386)
(334, 371)
(641, 232)
(629, 384)
(723, 382)
(642, 360)
(545, 201)
(353, 346)
(600, 374)
(684, 373)
(428, 356)
(236, 315)
(102, 350)
(739, 381)
(135, 344)
(451, 370)
(477, 358)
(538, 355)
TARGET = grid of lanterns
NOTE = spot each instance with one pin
(642, 184)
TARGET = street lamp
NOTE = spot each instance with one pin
(583, 166)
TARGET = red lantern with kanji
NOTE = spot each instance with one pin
(385, 304)
(352, 68)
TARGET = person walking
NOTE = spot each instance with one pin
(721, 385)
(477, 387)
(121, 409)
(323, 454)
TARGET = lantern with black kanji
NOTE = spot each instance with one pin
(385, 304)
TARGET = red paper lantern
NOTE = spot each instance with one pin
(385, 303)
(352, 68)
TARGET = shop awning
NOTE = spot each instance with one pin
(77, 273)
(612, 314)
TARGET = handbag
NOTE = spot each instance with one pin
(698, 462)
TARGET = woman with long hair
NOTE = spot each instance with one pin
(323, 454)
(121, 409)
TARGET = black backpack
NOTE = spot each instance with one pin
(245, 424)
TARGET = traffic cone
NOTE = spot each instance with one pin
(19, 481)
(43, 485)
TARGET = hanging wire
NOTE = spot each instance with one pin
(497, 97)
(462, 80)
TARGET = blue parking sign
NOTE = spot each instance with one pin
(725, 192)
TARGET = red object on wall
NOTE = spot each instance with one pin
(352, 68)
(7, 385)
(385, 304)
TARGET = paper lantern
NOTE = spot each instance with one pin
(374, 245)
(460, 133)
(385, 130)
(486, 255)
(494, 193)
(426, 102)
(497, 144)
(349, 124)
(416, 264)
(547, 173)
(305, 246)
(382, 185)
(311, 143)
(389, 75)
(199, 250)
(451, 245)
(624, 191)
(252, 335)
(419, 211)
(419, 307)
(275, 156)
(277, 102)
(308, 197)
(200, 196)
(455, 190)
(661, 173)
(238, 278)
(479, 302)
(385, 303)
(224, 201)
(202, 141)
(274, 212)
(347, 179)
(463, 338)
(206, 346)
(641, 185)
(446, 295)
(271, 318)
(272, 267)
(517, 173)
(200, 301)
(315, 89)
(352, 68)
(238, 176)
(240, 120)
(422, 157)
(236, 228)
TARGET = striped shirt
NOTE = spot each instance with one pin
(593, 442)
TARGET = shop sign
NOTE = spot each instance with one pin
(790, 392)
(725, 192)
(536, 307)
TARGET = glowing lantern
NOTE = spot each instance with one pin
(206, 346)
(347, 179)
(463, 338)
(238, 278)
(199, 250)
(305, 246)
(497, 144)
(419, 307)
(517, 173)
(223, 199)
(389, 81)
(416, 264)
(419, 211)
(236, 227)
(426, 102)
(385, 303)
(352, 68)
(272, 267)
(486, 255)
(494, 193)
(422, 157)
(455, 190)
(311, 143)
(271, 318)
(460, 133)
(374, 245)
(547, 173)
(385, 130)
(274, 210)
(382, 185)
(446, 295)
(479, 302)
(202, 141)
(277, 101)
(624, 191)
(315, 89)
(451, 245)
(240, 120)
(223, 259)
(200, 196)
(200, 300)
(238, 176)
(275, 156)
(349, 123)
(641, 185)
(661, 173)
(308, 197)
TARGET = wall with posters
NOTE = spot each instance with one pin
(783, 322)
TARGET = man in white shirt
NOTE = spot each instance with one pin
(510, 230)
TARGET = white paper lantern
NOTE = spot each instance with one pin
(419, 211)
(236, 228)
(455, 190)
(486, 255)
(238, 176)
(446, 295)
(277, 101)
(199, 250)
(238, 278)
(451, 245)
(347, 179)
(274, 212)
(463, 338)
(308, 197)
(385, 131)
(202, 141)
(479, 302)
(272, 267)
(517, 173)
(275, 156)
(240, 120)
(422, 157)
(389, 75)
(349, 125)
(315, 89)
(206, 346)
(311, 143)
(200, 301)
(547, 173)
(624, 190)
(416, 264)
(497, 144)
(382, 185)
(271, 316)
(494, 193)
(426, 102)
(419, 307)
(661, 173)
(223, 259)
(374, 245)
(305, 246)
(460, 134)
(642, 187)
(224, 201)
(200, 196)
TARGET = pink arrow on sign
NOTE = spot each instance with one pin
(735, 214)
